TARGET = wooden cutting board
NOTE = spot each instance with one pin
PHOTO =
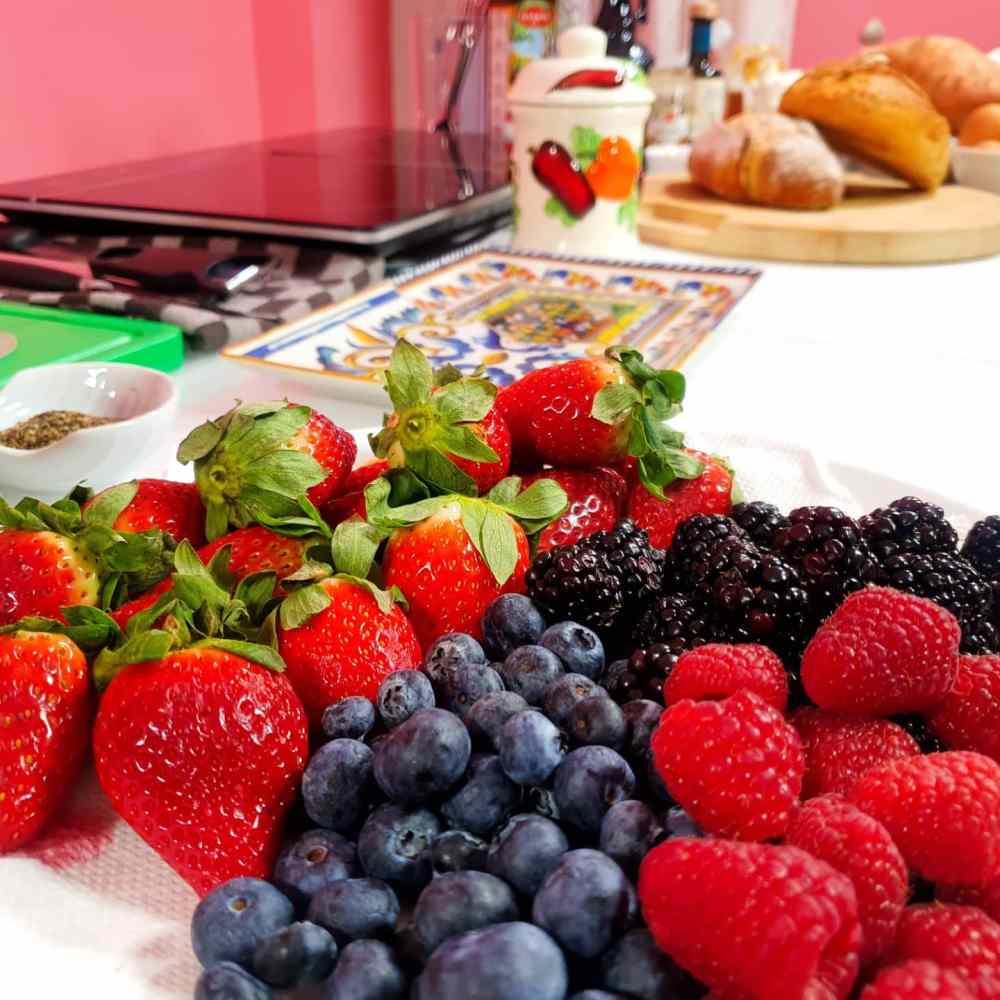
(877, 223)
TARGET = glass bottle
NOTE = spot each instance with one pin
(708, 86)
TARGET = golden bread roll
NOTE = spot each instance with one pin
(957, 77)
(868, 109)
(982, 126)
(767, 159)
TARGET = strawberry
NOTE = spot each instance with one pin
(340, 637)
(175, 508)
(55, 556)
(350, 500)
(44, 729)
(254, 462)
(596, 501)
(597, 411)
(452, 556)
(709, 493)
(446, 430)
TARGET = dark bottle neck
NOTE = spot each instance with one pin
(701, 47)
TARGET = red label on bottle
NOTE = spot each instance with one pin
(535, 17)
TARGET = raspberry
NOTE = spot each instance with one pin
(841, 748)
(734, 765)
(917, 980)
(752, 920)
(882, 652)
(715, 671)
(943, 812)
(969, 717)
(960, 938)
(833, 830)
(987, 898)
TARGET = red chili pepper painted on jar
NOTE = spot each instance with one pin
(559, 173)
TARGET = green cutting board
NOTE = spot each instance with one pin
(35, 335)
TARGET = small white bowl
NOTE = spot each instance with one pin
(977, 168)
(142, 401)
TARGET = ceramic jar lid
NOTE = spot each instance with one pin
(583, 74)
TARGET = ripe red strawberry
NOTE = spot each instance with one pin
(350, 500)
(347, 648)
(882, 652)
(258, 459)
(752, 921)
(596, 411)
(596, 503)
(252, 550)
(175, 508)
(709, 493)
(449, 433)
(201, 752)
(960, 938)
(44, 729)
(969, 716)
(917, 980)
(943, 812)
(715, 671)
(833, 830)
(52, 557)
(735, 765)
(445, 578)
(839, 749)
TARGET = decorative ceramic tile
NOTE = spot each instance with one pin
(506, 313)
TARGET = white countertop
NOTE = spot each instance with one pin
(892, 368)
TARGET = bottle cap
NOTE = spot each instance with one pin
(706, 10)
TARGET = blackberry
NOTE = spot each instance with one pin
(576, 583)
(694, 542)
(916, 726)
(638, 566)
(982, 546)
(761, 521)
(945, 578)
(979, 637)
(908, 525)
(832, 559)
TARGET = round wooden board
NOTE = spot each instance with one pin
(875, 224)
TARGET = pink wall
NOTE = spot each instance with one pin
(82, 85)
(828, 30)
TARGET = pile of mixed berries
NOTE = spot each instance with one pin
(531, 707)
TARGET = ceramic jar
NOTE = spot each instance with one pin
(579, 123)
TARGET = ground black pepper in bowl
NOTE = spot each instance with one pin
(46, 428)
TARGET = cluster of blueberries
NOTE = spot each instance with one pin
(477, 832)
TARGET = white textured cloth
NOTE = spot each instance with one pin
(90, 910)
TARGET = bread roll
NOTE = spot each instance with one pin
(982, 126)
(767, 159)
(868, 109)
(958, 77)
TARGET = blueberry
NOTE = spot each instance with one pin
(423, 756)
(227, 981)
(316, 859)
(563, 693)
(642, 716)
(531, 748)
(512, 620)
(459, 902)
(588, 782)
(585, 902)
(298, 954)
(231, 919)
(637, 967)
(525, 851)
(529, 670)
(401, 694)
(597, 721)
(628, 831)
(458, 851)
(349, 719)
(597, 995)
(680, 824)
(579, 648)
(514, 961)
(355, 908)
(542, 801)
(486, 799)
(456, 649)
(395, 844)
(367, 970)
(487, 716)
(337, 784)
(462, 687)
